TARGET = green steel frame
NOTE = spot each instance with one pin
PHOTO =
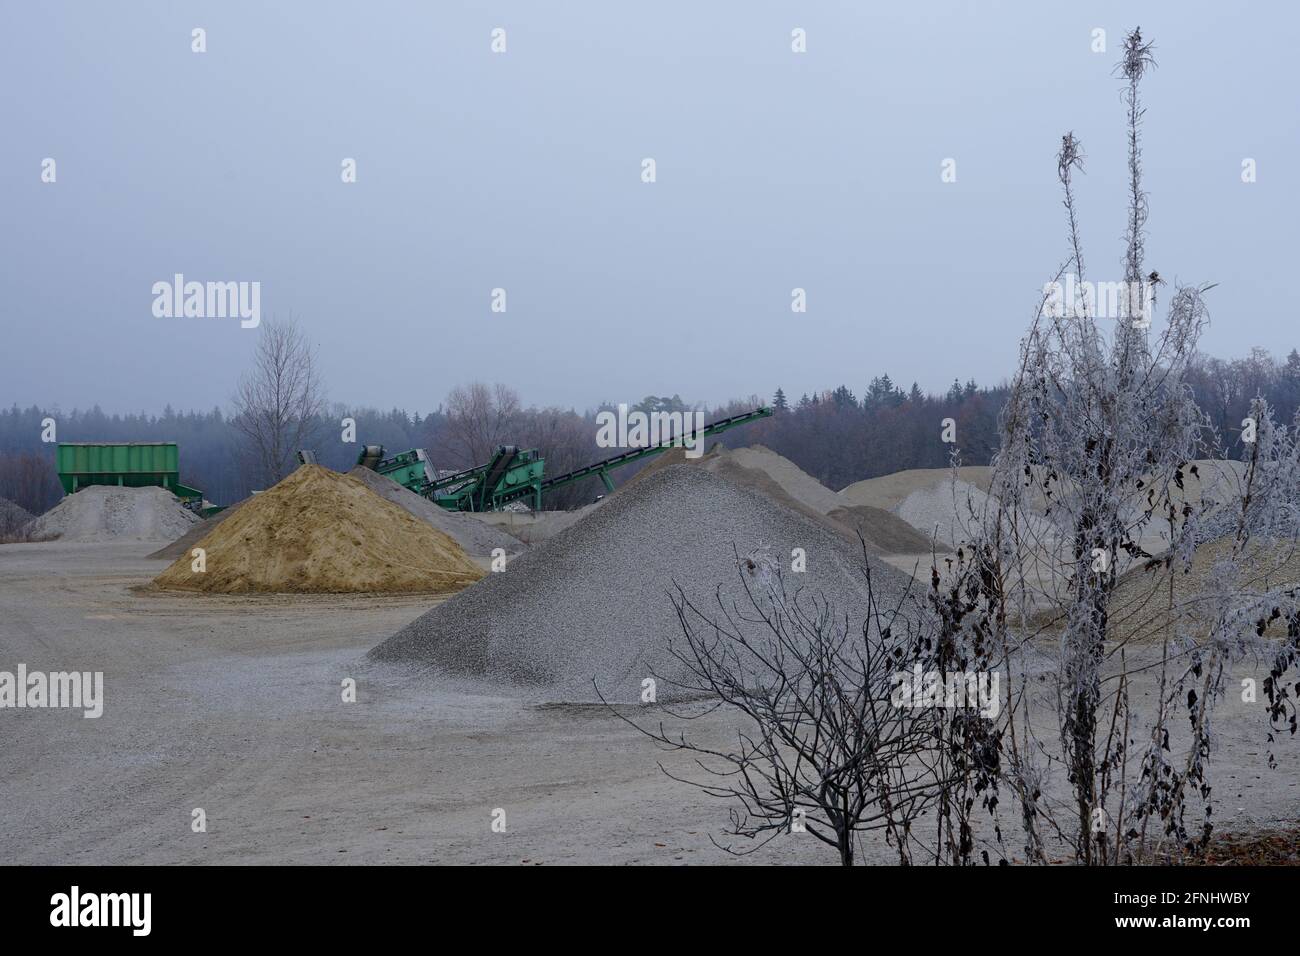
(125, 464)
(516, 474)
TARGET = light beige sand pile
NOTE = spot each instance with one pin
(1208, 486)
(797, 483)
(1140, 607)
(885, 531)
(318, 531)
(888, 491)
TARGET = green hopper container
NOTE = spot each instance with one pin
(126, 464)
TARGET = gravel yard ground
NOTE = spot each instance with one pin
(233, 704)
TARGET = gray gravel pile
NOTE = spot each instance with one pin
(946, 509)
(13, 518)
(108, 513)
(755, 476)
(592, 602)
(476, 537)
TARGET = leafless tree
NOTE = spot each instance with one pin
(30, 482)
(826, 749)
(479, 418)
(567, 441)
(1100, 436)
(279, 401)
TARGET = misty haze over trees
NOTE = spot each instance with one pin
(839, 435)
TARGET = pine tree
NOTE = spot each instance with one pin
(779, 402)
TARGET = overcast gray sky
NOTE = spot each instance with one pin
(522, 170)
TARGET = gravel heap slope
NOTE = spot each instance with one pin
(592, 603)
(13, 518)
(110, 513)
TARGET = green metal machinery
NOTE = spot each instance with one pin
(514, 474)
(124, 464)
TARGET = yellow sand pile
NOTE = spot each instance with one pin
(318, 531)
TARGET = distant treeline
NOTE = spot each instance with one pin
(840, 438)
(835, 435)
(209, 445)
